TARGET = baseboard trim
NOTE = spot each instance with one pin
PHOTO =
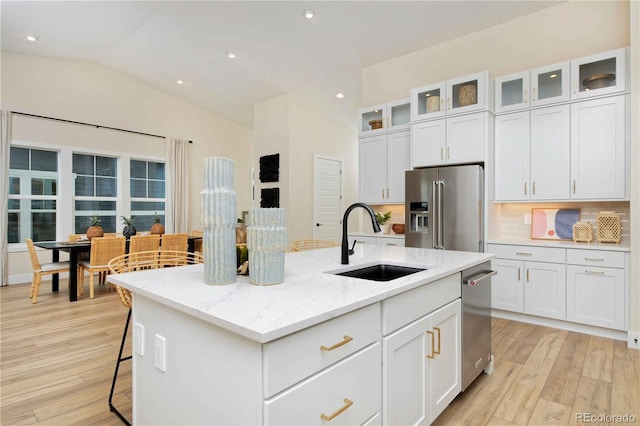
(26, 278)
(563, 325)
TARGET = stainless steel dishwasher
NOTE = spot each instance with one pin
(476, 322)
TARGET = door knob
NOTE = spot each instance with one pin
(318, 224)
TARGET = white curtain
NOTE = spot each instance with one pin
(5, 141)
(177, 207)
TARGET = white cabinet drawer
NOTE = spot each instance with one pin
(353, 384)
(528, 253)
(406, 307)
(599, 258)
(294, 357)
(389, 241)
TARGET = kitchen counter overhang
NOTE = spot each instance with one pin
(308, 296)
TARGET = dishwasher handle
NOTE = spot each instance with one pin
(477, 278)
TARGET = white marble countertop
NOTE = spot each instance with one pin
(378, 235)
(308, 296)
(593, 245)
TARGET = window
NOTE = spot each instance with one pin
(33, 191)
(95, 190)
(147, 191)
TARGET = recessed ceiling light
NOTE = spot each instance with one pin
(553, 75)
(231, 55)
(339, 95)
(180, 82)
(428, 94)
(32, 38)
(308, 14)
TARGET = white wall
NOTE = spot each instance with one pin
(297, 130)
(85, 92)
(566, 31)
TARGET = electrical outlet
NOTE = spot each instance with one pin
(634, 340)
(160, 353)
(527, 218)
(138, 339)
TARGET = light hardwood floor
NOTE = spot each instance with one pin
(57, 361)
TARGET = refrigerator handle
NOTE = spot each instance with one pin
(434, 213)
(440, 215)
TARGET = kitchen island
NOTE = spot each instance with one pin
(302, 351)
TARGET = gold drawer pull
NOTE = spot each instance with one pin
(438, 351)
(593, 272)
(522, 253)
(597, 259)
(347, 403)
(433, 344)
(344, 341)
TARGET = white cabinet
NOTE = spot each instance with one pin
(383, 159)
(535, 286)
(391, 117)
(596, 288)
(421, 367)
(532, 155)
(537, 87)
(599, 148)
(600, 74)
(454, 140)
(381, 241)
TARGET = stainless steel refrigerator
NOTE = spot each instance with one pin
(444, 208)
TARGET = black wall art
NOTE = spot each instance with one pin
(270, 197)
(269, 168)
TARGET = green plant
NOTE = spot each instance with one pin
(127, 221)
(381, 218)
(95, 220)
(156, 217)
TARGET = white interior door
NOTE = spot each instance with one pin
(327, 198)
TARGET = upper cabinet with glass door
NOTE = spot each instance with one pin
(599, 74)
(384, 118)
(540, 86)
(456, 96)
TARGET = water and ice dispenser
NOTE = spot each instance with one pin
(419, 216)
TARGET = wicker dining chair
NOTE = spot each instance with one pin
(197, 244)
(303, 245)
(144, 243)
(40, 269)
(172, 243)
(103, 249)
(131, 262)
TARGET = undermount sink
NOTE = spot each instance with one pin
(379, 272)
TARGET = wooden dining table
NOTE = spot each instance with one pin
(74, 248)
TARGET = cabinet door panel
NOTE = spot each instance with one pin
(445, 368)
(595, 296)
(507, 292)
(598, 149)
(599, 74)
(405, 383)
(375, 112)
(545, 290)
(512, 157)
(550, 153)
(465, 138)
(373, 168)
(550, 84)
(428, 143)
(398, 161)
(512, 92)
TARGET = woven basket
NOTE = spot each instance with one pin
(467, 95)
(375, 124)
(608, 227)
(582, 232)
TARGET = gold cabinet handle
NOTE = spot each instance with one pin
(586, 271)
(525, 188)
(442, 153)
(387, 193)
(527, 274)
(523, 253)
(442, 104)
(433, 344)
(448, 153)
(347, 403)
(382, 192)
(574, 186)
(534, 188)
(597, 259)
(534, 93)
(518, 273)
(344, 341)
(449, 101)
(438, 351)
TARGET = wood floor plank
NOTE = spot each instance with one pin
(549, 413)
(564, 377)
(593, 398)
(518, 404)
(521, 348)
(625, 383)
(504, 337)
(599, 360)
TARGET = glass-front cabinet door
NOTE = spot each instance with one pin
(550, 84)
(399, 115)
(428, 102)
(512, 92)
(466, 94)
(599, 74)
(372, 120)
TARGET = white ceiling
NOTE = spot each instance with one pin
(279, 51)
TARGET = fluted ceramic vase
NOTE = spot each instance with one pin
(266, 241)
(218, 217)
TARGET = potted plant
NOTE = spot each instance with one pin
(382, 218)
(128, 229)
(157, 227)
(95, 229)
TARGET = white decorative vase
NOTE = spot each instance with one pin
(218, 217)
(266, 242)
